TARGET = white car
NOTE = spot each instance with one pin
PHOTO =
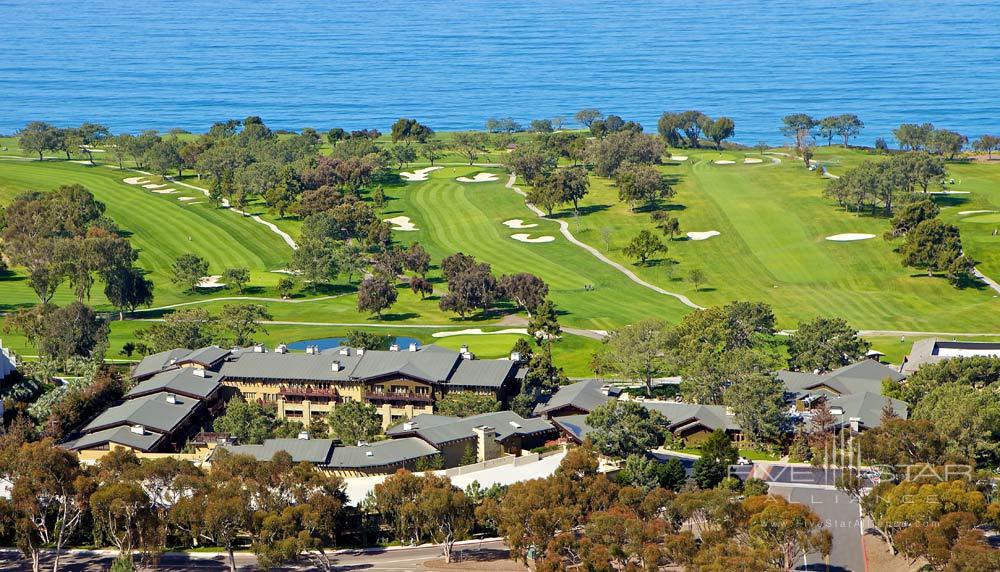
(743, 461)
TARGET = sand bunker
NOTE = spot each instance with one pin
(949, 192)
(724, 162)
(850, 236)
(479, 178)
(678, 158)
(135, 181)
(185, 198)
(165, 191)
(211, 282)
(153, 186)
(703, 235)
(974, 212)
(479, 332)
(518, 223)
(286, 271)
(752, 161)
(419, 174)
(524, 237)
(401, 223)
(195, 203)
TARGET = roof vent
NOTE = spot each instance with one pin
(171, 398)
(259, 348)
(369, 453)
(464, 349)
(362, 443)
(138, 429)
(172, 361)
(304, 435)
(515, 424)
(199, 371)
(515, 356)
(335, 366)
(361, 351)
(816, 371)
(394, 348)
(467, 355)
(413, 346)
(310, 350)
(409, 426)
(281, 349)
(345, 351)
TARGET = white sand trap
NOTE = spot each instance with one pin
(752, 161)
(850, 236)
(135, 180)
(153, 186)
(479, 332)
(286, 271)
(185, 198)
(974, 212)
(211, 282)
(402, 223)
(419, 174)
(518, 223)
(703, 235)
(165, 191)
(678, 158)
(479, 178)
(524, 237)
(196, 203)
(949, 192)
(724, 162)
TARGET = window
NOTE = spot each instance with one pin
(399, 389)
(422, 390)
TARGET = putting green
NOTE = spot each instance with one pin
(983, 218)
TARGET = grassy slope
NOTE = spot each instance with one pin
(773, 221)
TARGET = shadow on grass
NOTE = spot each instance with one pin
(583, 211)
(399, 316)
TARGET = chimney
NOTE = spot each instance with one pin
(394, 348)
(413, 346)
(487, 447)
(281, 349)
(335, 366)
(304, 435)
(171, 398)
(138, 429)
(464, 349)
(199, 371)
(855, 424)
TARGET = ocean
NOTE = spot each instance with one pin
(451, 65)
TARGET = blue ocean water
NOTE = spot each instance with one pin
(354, 64)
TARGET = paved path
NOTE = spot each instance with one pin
(564, 229)
(236, 298)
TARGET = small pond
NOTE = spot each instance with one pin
(329, 343)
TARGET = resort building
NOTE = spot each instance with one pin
(577, 398)
(933, 350)
(401, 383)
(480, 438)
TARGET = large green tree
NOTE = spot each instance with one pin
(354, 421)
(636, 352)
(623, 428)
(824, 344)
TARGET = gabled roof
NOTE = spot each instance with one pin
(683, 415)
(158, 362)
(433, 366)
(482, 373)
(380, 454)
(309, 450)
(861, 377)
(302, 367)
(180, 381)
(575, 425)
(147, 441)
(440, 429)
(583, 395)
(867, 407)
(151, 411)
(208, 356)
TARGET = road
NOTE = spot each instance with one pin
(406, 560)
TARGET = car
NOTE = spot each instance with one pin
(743, 461)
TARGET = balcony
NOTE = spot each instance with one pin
(311, 393)
(399, 397)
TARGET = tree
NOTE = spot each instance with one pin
(642, 184)
(719, 130)
(127, 288)
(977, 372)
(38, 137)
(409, 130)
(987, 144)
(361, 339)
(946, 142)
(912, 214)
(62, 333)
(375, 295)
(792, 528)
(799, 126)
(758, 405)
(544, 325)
(187, 271)
(285, 287)
(124, 514)
(546, 196)
(824, 344)
(761, 146)
(526, 290)
(967, 419)
(243, 321)
(561, 186)
(691, 122)
(236, 277)
(402, 154)
(471, 285)
(719, 447)
(421, 286)
(448, 515)
(912, 136)
(432, 151)
(636, 352)
(48, 499)
(937, 247)
(587, 116)
(610, 153)
(623, 428)
(416, 259)
(470, 144)
(354, 421)
(180, 329)
(465, 404)
(849, 125)
(668, 126)
(828, 128)
(707, 472)
(643, 246)
(248, 422)
(697, 277)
